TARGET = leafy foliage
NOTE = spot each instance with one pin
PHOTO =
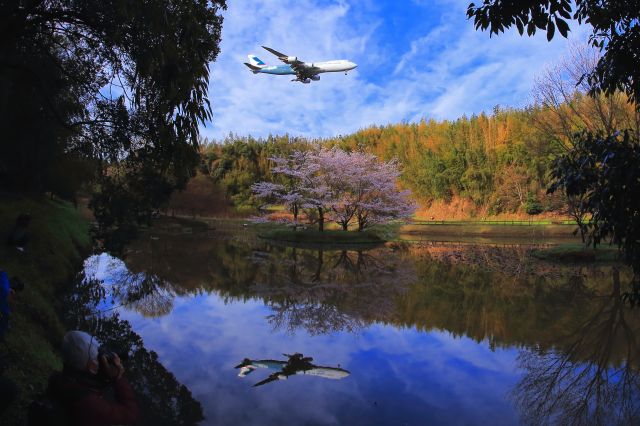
(495, 159)
(604, 172)
(239, 162)
(121, 85)
(532, 206)
(615, 32)
(481, 158)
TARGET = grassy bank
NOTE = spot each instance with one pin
(577, 253)
(471, 229)
(58, 241)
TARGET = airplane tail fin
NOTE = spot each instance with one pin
(256, 62)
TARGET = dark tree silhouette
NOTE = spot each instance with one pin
(604, 172)
(615, 32)
(119, 85)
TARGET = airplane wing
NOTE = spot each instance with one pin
(273, 377)
(284, 58)
(302, 69)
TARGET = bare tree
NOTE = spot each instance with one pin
(567, 108)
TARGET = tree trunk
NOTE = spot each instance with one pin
(320, 219)
(345, 226)
(316, 276)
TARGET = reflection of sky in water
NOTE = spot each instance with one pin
(398, 376)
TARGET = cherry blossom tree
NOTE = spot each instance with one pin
(339, 172)
(363, 188)
(300, 188)
(339, 186)
(383, 201)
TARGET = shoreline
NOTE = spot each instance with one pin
(59, 240)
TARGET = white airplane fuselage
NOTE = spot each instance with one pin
(315, 67)
(304, 71)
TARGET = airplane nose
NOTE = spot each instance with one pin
(354, 65)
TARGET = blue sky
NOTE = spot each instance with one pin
(416, 59)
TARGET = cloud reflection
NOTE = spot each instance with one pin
(396, 375)
(435, 342)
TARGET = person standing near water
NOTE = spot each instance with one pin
(92, 388)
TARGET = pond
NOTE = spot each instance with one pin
(402, 334)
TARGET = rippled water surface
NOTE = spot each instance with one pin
(403, 334)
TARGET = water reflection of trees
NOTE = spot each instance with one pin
(143, 292)
(345, 290)
(501, 308)
(594, 378)
(584, 368)
(315, 290)
(327, 291)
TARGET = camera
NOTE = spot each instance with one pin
(110, 354)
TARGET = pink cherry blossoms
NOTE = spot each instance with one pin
(343, 187)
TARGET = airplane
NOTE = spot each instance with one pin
(296, 364)
(305, 72)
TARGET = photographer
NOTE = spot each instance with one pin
(89, 377)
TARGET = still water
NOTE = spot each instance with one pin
(407, 334)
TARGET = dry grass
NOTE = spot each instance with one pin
(461, 209)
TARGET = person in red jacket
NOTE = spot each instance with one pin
(92, 389)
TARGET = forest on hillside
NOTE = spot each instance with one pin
(498, 162)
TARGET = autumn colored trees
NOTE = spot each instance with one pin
(498, 160)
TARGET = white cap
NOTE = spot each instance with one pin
(78, 348)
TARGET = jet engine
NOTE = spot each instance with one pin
(315, 77)
(292, 59)
(306, 81)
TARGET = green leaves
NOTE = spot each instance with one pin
(563, 27)
(122, 84)
(604, 172)
(551, 29)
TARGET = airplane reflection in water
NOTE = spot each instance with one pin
(296, 364)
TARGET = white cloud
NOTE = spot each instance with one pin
(449, 71)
